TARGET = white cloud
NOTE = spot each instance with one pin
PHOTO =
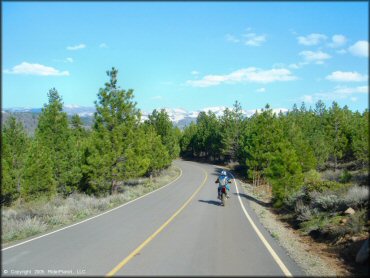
(66, 60)
(307, 99)
(36, 69)
(195, 72)
(337, 41)
(261, 90)
(231, 38)
(351, 90)
(342, 51)
(294, 66)
(76, 47)
(346, 76)
(360, 48)
(207, 81)
(341, 92)
(249, 38)
(317, 57)
(250, 74)
(337, 93)
(252, 39)
(103, 45)
(311, 39)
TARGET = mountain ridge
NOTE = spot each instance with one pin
(179, 117)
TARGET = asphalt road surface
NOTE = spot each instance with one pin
(178, 230)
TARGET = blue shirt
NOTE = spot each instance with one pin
(227, 181)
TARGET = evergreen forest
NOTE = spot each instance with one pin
(285, 150)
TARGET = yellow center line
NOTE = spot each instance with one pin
(150, 238)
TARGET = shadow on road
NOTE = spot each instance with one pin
(261, 203)
(211, 202)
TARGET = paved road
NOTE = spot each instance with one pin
(178, 230)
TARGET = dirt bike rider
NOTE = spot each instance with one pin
(223, 180)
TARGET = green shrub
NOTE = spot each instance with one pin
(304, 212)
(14, 229)
(345, 177)
(316, 223)
(357, 196)
(357, 221)
(327, 201)
(312, 176)
(284, 187)
(323, 186)
(291, 200)
(334, 230)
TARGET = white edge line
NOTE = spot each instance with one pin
(88, 219)
(262, 238)
(264, 241)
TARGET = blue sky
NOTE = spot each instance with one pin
(187, 55)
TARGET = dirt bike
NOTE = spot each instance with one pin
(224, 195)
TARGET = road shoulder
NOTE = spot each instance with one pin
(309, 255)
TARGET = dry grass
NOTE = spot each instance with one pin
(26, 220)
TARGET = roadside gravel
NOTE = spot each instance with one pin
(310, 262)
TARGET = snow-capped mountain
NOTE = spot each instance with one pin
(180, 117)
(21, 110)
(82, 111)
(70, 109)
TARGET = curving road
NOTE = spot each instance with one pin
(178, 230)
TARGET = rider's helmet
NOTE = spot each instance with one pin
(223, 173)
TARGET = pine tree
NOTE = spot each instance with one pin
(260, 141)
(284, 172)
(360, 141)
(165, 129)
(54, 133)
(187, 141)
(336, 127)
(231, 130)
(269, 156)
(38, 175)
(316, 132)
(77, 126)
(294, 132)
(208, 136)
(153, 149)
(112, 154)
(14, 150)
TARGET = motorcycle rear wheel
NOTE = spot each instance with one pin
(223, 199)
